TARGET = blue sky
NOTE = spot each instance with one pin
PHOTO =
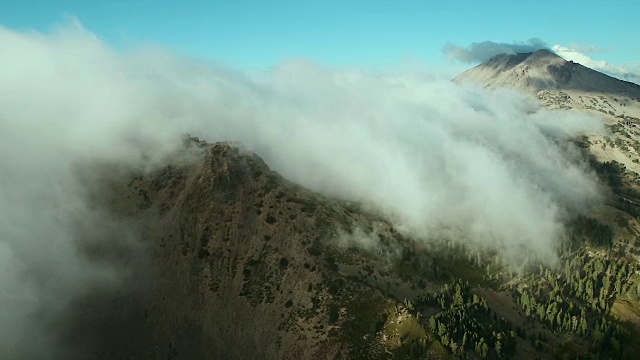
(258, 34)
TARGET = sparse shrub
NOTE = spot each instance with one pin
(623, 222)
(284, 263)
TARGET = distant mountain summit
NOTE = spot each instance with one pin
(544, 70)
(558, 83)
(562, 84)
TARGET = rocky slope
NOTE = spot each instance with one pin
(235, 262)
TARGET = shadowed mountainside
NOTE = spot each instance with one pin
(239, 263)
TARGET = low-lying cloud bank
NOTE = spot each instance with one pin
(437, 158)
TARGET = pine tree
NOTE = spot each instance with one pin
(454, 347)
(583, 326)
(484, 350)
(574, 323)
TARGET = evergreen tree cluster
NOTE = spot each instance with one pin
(578, 300)
(464, 322)
(592, 231)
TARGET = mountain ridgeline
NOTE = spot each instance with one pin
(240, 263)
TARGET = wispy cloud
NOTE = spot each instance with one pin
(481, 51)
(587, 48)
(578, 54)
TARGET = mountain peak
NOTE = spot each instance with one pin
(544, 53)
(505, 61)
(544, 70)
(544, 57)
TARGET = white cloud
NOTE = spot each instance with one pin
(436, 158)
(585, 48)
(576, 54)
